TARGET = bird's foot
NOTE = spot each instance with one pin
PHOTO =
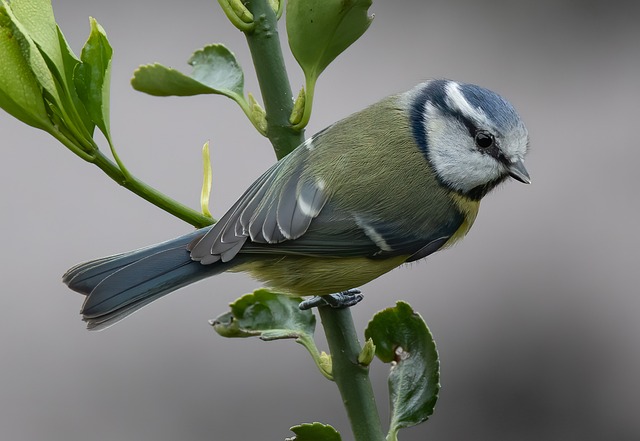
(344, 299)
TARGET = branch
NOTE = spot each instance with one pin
(136, 186)
(351, 377)
(266, 52)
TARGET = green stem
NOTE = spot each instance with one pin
(152, 195)
(266, 53)
(136, 186)
(351, 377)
(70, 144)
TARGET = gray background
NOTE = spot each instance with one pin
(535, 313)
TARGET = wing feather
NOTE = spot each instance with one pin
(289, 211)
(278, 207)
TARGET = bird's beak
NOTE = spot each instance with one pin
(519, 172)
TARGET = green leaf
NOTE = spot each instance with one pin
(20, 92)
(52, 63)
(32, 55)
(365, 357)
(320, 30)
(75, 107)
(238, 14)
(314, 432)
(403, 339)
(272, 316)
(92, 77)
(37, 22)
(267, 315)
(215, 71)
(36, 16)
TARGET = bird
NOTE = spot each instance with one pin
(388, 185)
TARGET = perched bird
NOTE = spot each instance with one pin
(390, 184)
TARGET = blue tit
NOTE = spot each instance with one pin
(390, 184)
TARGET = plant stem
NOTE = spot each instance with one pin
(266, 53)
(351, 377)
(150, 194)
(136, 186)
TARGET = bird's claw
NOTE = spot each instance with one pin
(344, 299)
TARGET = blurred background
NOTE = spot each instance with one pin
(535, 313)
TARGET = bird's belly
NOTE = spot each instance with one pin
(303, 276)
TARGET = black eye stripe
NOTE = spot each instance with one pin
(471, 127)
(493, 150)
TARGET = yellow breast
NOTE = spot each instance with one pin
(303, 276)
(469, 209)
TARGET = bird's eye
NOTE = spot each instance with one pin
(484, 139)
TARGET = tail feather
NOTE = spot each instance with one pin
(84, 277)
(119, 285)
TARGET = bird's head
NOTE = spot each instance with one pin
(472, 137)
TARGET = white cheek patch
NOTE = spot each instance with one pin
(453, 155)
(433, 120)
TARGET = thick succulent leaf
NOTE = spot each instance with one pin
(158, 80)
(215, 71)
(20, 92)
(320, 30)
(92, 77)
(217, 67)
(314, 432)
(267, 315)
(403, 339)
(272, 316)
